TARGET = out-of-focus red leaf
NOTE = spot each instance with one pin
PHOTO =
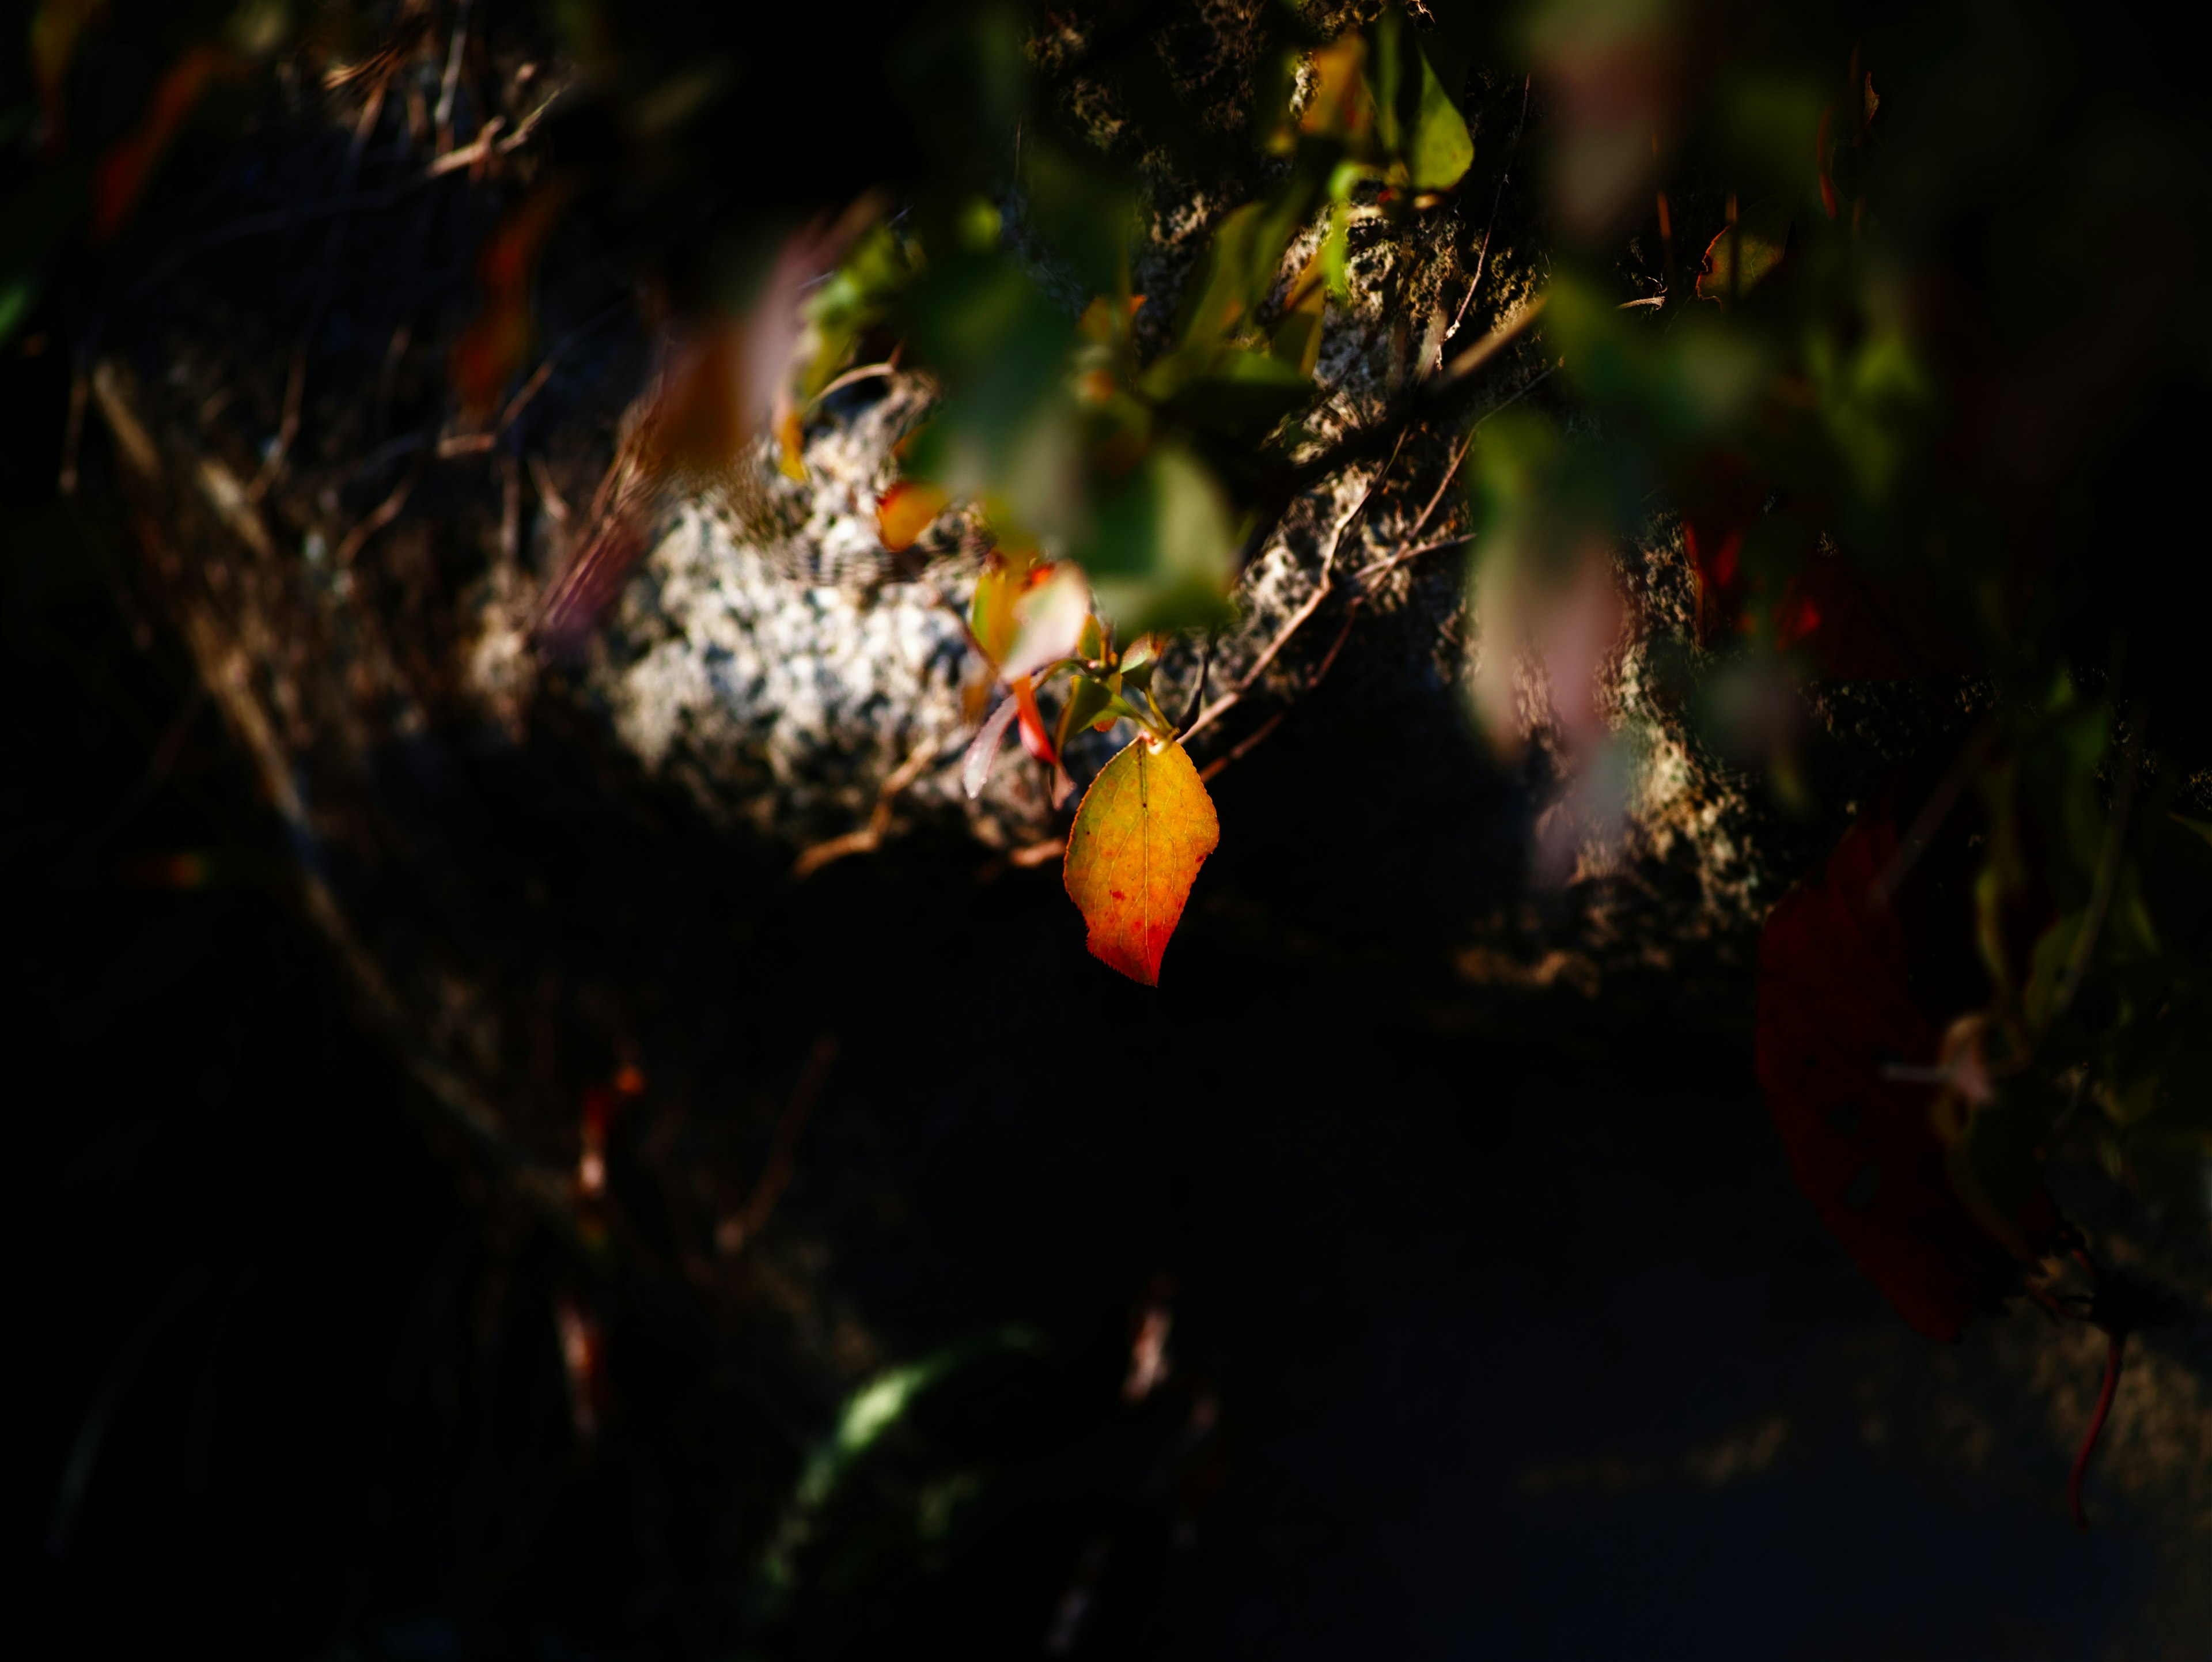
(1852, 988)
(125, 169)
(490, 351)
(1850, 623)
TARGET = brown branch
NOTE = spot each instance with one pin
(1444, 484)
(1229, 700)
(1403, 556)
(1251, 741)
(378, 517)
(1507, 330)
(295, 380)
(783, 1157)
(450, 84)
(73, 423)
(1482, 259)
(471, 154)
(478, 444)
(870, 836)
(1936, 810)
(854, 377)
(515, 140)
(548, 496)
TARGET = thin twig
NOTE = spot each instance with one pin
(474, 444)
(1404, 555)
(783, 1157)
(548, 496)
(451, 85)
(1198, 693)
(515, 140)
(159, 765)
(295, 382)
(870, 836)
(1935, 811)
(1297, 620)
(476, 151)
(1482, 259)
(1237, 751)
(2100, 897)
(380, 516)
(1251, 741)
(2113, 1356)
(73, 424)
(1506, 330)
(854, 377)
(1451, 473)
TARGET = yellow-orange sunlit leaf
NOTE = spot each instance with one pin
(905, 511)
(1145, 828)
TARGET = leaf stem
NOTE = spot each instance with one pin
(2113, 1358)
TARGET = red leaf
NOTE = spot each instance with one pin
(125, 170)
(491, 350)
(1034, 740)
(1851, 986)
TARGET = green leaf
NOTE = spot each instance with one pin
(1416, 122)
(18, 293)
(1441, 150)
(1087, 701)
(2046, 971)
(1245, 394)
(857, 297)
(867, 1414)
(1235, 274)
(1161, 552)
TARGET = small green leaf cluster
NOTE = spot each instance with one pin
(1070, 439)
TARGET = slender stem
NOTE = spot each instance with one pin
(1198, 693)
(2100, 897)
(1936, 810)
(1482, 259)
(2096, 1429)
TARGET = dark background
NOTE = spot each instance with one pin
(1499, 1329)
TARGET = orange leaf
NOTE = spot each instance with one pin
(904, 512)
(1145, 828)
